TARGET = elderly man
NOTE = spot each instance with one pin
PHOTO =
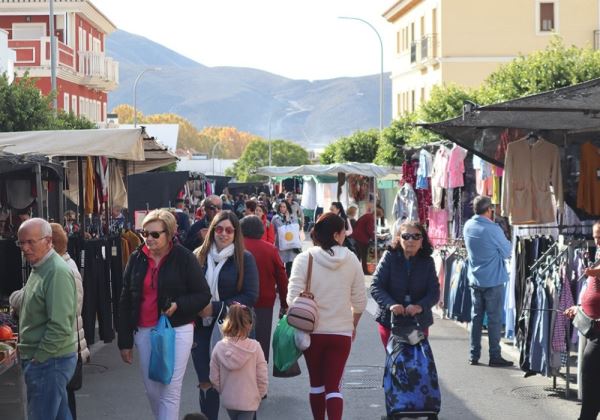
(195, 236)
(487, 248)
(47, 342)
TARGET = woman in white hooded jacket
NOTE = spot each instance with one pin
(338, 285)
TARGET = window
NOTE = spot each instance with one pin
(547, 17)
(412, 100)
(66, 102)
(399, 103)
(74, 104)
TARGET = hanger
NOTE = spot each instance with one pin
(532, 138)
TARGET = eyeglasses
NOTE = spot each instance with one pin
(29, 242)
(155, 234)
(228, 230)
(413, 236)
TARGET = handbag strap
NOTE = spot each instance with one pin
(309, 275)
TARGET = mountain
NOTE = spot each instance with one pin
(312, 113)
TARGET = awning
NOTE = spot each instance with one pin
(112, 143)
(563, 115)
(365, 169)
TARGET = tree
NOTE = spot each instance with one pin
(284, 153)
(361, 146)
(328, 155)
(394, 138)
(69, 121)
(22, 108)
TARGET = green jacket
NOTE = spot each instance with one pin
(48, 312)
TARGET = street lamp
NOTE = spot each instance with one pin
(137, 79)
(380, 112)
(212, 154)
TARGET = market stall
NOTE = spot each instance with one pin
(548, 146)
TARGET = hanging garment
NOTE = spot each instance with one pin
(439, 175)
(456, 167)
(425, 168)
(405, 205)
(89, 187)
(529, 171)
(588, 189)
(438, 226)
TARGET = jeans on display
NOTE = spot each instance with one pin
(490, 301)
(47, 387)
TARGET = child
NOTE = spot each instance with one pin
(238, 370)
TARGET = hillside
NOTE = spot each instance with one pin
(312, 113)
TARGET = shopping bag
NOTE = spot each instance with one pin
(410, 380)
(285, 352)
(293, 371)
(288, 237)
(162, 355)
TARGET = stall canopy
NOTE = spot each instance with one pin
(563, 116)
(145, 153)
(365, 169)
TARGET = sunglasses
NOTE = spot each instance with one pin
(413, 236)
(155, 234)
(228, 230)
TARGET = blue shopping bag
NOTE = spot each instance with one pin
(162, 356)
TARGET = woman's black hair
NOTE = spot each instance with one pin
(289, 208)
(426, 247)
(342, 214)
(322, 232)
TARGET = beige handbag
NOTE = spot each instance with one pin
(303, 312)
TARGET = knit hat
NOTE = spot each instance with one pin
(252, 227)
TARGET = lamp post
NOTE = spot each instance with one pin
(380, 112)
(212, 154)
(137, 79)
(53, 56)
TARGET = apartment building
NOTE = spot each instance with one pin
(84, 74)
(463, 41)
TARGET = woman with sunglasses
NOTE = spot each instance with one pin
(161, 277)
(232, 276)
(282, 217)
(405, 282)
(338, 285)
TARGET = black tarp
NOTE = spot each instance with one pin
(154, 190)
(568, 116)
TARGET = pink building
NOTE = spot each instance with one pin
(84, 74)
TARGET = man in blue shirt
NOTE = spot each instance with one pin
(487, 248)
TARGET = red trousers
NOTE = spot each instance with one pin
(326, 359)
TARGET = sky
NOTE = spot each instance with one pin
(298, 39)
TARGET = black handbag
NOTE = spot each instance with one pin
(76, 381)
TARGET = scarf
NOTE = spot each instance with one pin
(214, 262)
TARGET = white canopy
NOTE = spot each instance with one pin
(365, 169)
(112, 143)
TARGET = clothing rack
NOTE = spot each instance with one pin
(541, 259)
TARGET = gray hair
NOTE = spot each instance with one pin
(481, 204)
(252, 227)
(215, 200)
(43, 225)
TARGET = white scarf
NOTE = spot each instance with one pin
(214, 262)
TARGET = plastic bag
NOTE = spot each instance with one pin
(162, 355)
(302, 340)
(285, 352)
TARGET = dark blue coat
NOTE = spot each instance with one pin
(393, 280)
(228, 276)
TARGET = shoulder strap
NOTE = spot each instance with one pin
(309, 275)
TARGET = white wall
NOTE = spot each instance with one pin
(7, 56)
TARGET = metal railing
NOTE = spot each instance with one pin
(98, 66)
(428, 47)
(413, 52)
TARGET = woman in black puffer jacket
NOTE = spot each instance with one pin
(161, 277)
(405, 282)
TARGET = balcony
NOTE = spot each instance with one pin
(98, 71)
(424, 51)
(88, 68)
(597, 39)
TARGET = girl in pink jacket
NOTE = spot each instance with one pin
(238, 369)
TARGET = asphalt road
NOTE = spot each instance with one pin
(113, 390)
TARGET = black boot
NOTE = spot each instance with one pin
(209, 403)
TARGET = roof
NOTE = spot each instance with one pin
(562, 115)
(366, 169)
